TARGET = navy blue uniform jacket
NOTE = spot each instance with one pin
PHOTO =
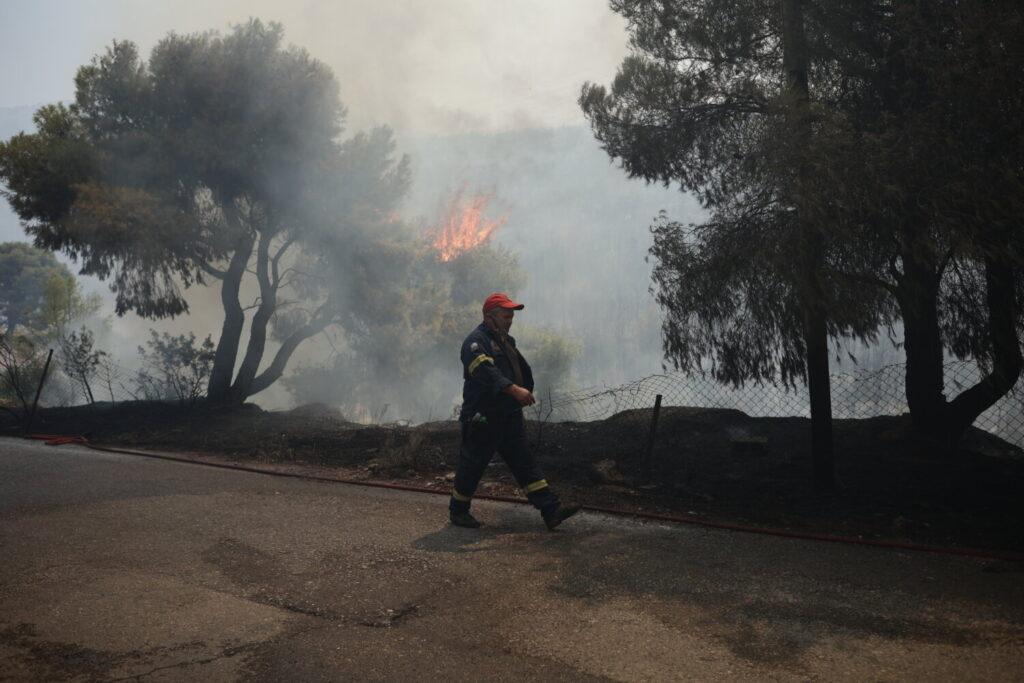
(487, 370)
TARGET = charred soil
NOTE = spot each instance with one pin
(709, 464)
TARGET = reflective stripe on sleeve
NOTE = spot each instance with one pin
(459, 497)
(535, 486)
(478, 360)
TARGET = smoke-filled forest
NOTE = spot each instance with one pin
(753, 202)
(581, 264)
(535, 340)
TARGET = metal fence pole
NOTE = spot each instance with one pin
(652, 433)
(39, 390)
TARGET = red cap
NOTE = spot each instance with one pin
(500, 301)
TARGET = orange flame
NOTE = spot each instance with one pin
(464, 226)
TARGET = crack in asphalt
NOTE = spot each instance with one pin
(226, 653)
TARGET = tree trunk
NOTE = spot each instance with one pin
(288, 347)
(812, 300)
(234, 319)
(241, 389)
(918, 295)
(820, 392)
(1007, 362)
(939, 425)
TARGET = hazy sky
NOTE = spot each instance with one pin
(421, 66)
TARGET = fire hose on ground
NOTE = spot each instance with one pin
(57, 440)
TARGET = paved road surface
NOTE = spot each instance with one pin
(120, 568)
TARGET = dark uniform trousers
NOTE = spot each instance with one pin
(507, 437)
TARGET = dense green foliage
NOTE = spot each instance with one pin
(38, 294)
(23, 272)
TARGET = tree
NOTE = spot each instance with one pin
(38, 293)
(796, 96)
(216, 160)
(710, 91)
(174, 368)
(930, 137)
(39, 300)
(23, 270)
(21, 370)
(63, 304)
(80, 360)
(698, 104)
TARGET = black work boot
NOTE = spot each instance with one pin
(561, 513)
(464, 519)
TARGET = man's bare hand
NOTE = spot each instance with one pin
(522, 396)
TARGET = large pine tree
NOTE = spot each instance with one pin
(910, 177)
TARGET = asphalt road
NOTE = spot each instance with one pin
(119, 568)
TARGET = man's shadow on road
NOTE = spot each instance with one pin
(456, 539)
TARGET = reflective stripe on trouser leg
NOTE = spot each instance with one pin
(516, 453)
(541, 495)
(535, 486)
(458, 502)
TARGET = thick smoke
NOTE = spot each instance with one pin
(481, 96)
(441, 67)
(580, 228)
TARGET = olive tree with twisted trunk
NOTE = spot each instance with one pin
(214, 162)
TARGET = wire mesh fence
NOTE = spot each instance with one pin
(855, 395)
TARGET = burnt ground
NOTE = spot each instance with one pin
(710, 464)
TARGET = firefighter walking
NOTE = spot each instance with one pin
(498, 384)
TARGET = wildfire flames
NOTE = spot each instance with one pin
(464, 226)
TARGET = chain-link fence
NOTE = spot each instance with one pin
(855, 395)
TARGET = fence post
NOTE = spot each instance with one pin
(39, 390)
(648, 460)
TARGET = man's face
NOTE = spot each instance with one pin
(501, 319)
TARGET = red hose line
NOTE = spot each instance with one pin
(56, 440)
